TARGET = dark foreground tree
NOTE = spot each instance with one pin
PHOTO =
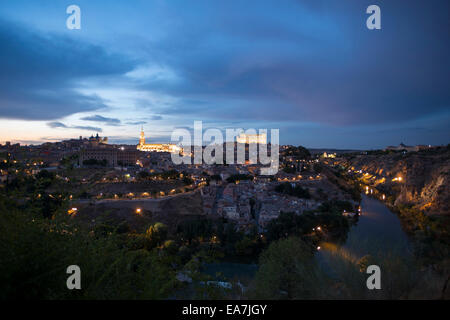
(288, 271)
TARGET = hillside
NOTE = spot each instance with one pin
(417, 179)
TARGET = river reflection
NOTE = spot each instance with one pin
(378, 233)
(377, 229)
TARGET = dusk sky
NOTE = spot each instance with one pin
(309, 68)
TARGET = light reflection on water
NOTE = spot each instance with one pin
(378, 228)
(378, 233)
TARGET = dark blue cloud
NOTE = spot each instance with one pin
(134, 123)
(40, 73)
(105, 120)
(57, 124)
(326, 68)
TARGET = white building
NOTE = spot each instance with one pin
(252, 138)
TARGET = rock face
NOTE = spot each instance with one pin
(425, 177)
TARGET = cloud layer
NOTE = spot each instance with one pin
(311, 68)
(41, 74)
(57, 124)
(105, 120)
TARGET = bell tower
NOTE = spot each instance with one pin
(142, 138)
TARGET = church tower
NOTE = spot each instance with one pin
(142, 138)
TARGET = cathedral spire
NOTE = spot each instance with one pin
(142, 138)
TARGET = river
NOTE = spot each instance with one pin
(378, 229)
(378, 233)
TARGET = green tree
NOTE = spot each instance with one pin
(35, 253)
(155, 235)
(244, 247)
(143, 175)
(287, 269)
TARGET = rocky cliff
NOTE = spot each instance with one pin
(418, 179)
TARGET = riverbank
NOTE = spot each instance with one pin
(379, 238)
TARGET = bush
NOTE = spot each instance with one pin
(93, 162)
(143, 175)
(287, 269)
(155, 235)
(296, 191)
(36, 252)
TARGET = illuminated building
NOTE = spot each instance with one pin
(165, 147)
(252, 138)
(329, 155)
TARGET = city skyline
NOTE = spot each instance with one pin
(315, 72)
